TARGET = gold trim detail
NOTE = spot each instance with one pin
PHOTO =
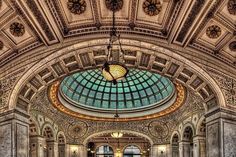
(53, 95)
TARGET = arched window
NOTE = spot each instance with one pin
(104, 151)
(132, 151)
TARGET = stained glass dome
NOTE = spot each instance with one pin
(139, 90)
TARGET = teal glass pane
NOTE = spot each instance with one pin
(140, 88)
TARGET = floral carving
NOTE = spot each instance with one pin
(213, 31)
(115, 5)
(152, 7)
(232, 46)
(17, 29)
(77, 6)
(158, 129)
(232, 7)
(77, 130)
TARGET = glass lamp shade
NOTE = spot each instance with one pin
(114, 72)
(117, 134)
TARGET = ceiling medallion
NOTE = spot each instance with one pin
(213, 31)
(159, 130)
(76, 6)
(77, 130)
(114, 5)
(232, 7)
(1, 45)
(17, 29)
(232, 46)
(152, 7)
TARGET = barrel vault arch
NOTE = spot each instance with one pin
(91, 54)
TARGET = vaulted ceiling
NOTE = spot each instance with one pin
(205, 26)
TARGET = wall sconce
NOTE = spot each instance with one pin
(162, 149)
(74, 151)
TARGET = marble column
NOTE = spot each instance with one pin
(14, 134)
(221, 133)
(52, 149)
(174, 151)
(185, 149)
(37, 146)
(63, 150)
(199, 146)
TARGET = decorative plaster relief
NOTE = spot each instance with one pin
(227, 84)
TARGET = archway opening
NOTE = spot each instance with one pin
(61, 146)
(48, 135)
(187, 142)
(122, 147)
(175, 145)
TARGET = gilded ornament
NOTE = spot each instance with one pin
(17, 29)
(213, 31)
(232, 7)
(115, 5)
(53, 95)
(76, 6)
(232, 46)
(152, 7)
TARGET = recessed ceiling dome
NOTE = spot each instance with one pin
(140, 89)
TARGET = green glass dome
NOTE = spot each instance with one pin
(140, 89)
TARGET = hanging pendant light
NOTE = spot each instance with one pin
(114, 69)
(117, 133)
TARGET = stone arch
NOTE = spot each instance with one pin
(124, 131)
(131, 144)
(174, 134)
(187, 128)
(48, 132)
(61, 138)
(71, 59)
(34, 128)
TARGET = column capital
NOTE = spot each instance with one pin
(221, 113)
(14, 115)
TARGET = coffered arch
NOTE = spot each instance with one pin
(91, 54)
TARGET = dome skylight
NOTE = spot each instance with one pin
(140, 89)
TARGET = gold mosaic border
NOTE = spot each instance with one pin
(53, 95)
